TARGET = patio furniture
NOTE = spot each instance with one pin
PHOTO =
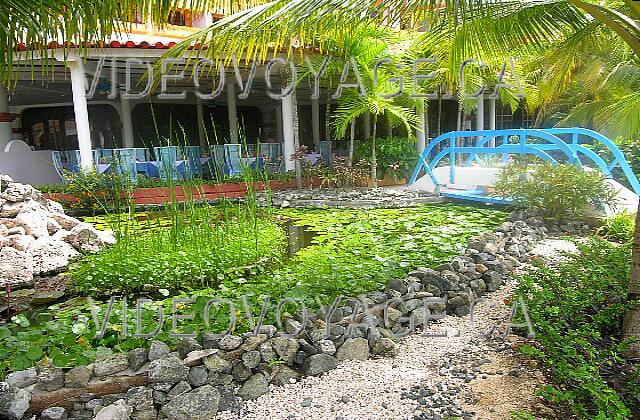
(272, 152)
(312, 158)
(71, 157)
(233, 159)
(250, 149)
(142, 154)
(103, 155)
(193, 165)
(56, 158)
(124, 163)
(216, 164)
(323, 147)
(167, 157)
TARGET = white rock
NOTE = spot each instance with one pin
(8, 223)
(54, 207)
(16, 192)
(12, 209)
(15, 266)
(17, 230)
(20, 242)
(53, 226)
(61, 235)
(50, 255)
(107, 237)
(3, 230)
(119, 410)
(85, 237)
(4, 181)
(67, 222)
(34, 223)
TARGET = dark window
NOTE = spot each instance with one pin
(54, 128)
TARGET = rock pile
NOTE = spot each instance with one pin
(366, 198)
(36, 237)
(216, 373)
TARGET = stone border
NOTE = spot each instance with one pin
(202, 378)
(356, 198)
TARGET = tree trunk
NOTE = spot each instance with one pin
(352, 142)
(374, 161)
(631, 326)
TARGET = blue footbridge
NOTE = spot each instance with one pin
(464, 164)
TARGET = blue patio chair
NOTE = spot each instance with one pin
(251, 149)
(193, 168)
(272, 152)
(56, 158)
(124, 163)
(167, 157)
(72, 158)
(142, 154)
(104, 155)
(216, 163)
(323, 147)
(233, 158)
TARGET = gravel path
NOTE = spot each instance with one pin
(431, 378)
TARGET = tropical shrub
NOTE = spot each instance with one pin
(396, 156)
(576, 311)
(92, 190)
(557, 192)
(618, 228)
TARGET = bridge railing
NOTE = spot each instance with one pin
(538, 142)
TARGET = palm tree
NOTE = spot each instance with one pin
(29, 26)
(493, 26)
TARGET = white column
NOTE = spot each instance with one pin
(127, 122)
(367, 125)
(315, 121)
(202, 138)
(233, 117)
(492, 119)
(422, 118)
(81, 114)
(480, 113)
(6, 133)
(287, 133)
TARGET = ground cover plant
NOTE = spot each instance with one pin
(182, 250)
(353, 252)
(576, 311)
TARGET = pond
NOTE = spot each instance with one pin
(312, 256)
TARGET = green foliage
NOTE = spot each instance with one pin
(198, 247)
(557, 192)
(618, 228)
(631, 150)
(353, 252)
(356, 251)
(396, 156)
(575, 310)
(92, 190)
(339, 174)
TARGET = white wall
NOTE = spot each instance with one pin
(26, 166)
